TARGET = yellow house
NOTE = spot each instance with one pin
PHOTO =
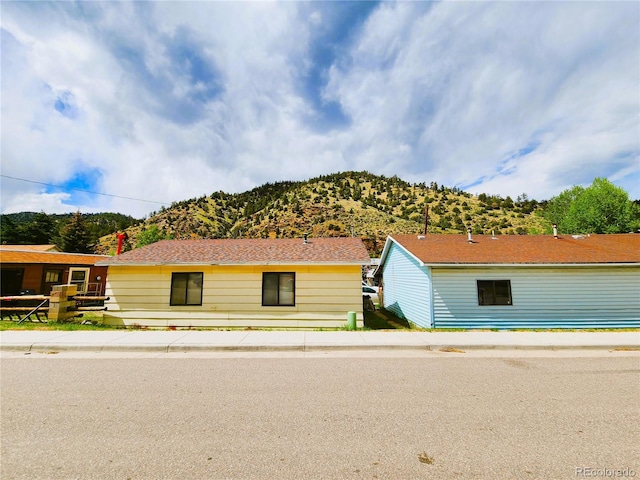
(285, 283)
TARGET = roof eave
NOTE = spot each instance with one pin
(532, 264)
(230, 264)
(385, 252)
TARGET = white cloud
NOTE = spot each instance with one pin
(174, 100)
(470, 84)
(44, 202)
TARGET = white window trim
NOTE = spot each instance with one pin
(84, 284)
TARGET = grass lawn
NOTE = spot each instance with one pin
(379, 320)
(74, 325)
(382, 319)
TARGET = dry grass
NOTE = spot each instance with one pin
(452, 350)
(425, 458)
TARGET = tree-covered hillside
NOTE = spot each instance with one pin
(31, 228)
(344, 204)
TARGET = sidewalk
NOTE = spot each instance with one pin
(257, 340)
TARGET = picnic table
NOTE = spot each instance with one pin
(33, 312)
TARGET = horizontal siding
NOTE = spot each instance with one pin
(589, 297)
(406, 290)
(232, 297)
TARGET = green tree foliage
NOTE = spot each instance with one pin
(600, 208)
(635, 216)
(151, 235)
(74, 236)
(29, 228)
(356, 192)
(558, 207)
(10, 233)
(41, 230)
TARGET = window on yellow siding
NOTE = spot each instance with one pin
(278, 289)
(494, 292)
(186, 288)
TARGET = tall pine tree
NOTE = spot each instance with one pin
(75, 236)
(41, 230)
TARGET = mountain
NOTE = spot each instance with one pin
(342, 204)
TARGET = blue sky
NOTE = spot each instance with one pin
(165, 101)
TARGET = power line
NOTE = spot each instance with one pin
(81, 190)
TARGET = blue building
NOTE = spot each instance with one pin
(508, 281)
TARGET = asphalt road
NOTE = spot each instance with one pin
(320, 418)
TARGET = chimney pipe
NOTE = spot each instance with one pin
(426, 218)
(304, 238)
(469, 239)
(555, 231)
(121, 237)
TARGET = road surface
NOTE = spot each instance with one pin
(461, 416)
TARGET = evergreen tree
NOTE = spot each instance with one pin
(74, 236)
(357, 192)
(10, 233)
(41, 230)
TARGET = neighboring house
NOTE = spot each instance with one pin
(36, 268)
(32, 248)
(237, 283)
(368, 271)
(513, 281)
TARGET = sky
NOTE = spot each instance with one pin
(148, 103)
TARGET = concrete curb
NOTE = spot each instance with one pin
(31, 348)
(296, 341)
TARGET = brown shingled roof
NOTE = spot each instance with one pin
(246, 251)
(523, 249)
(57, 258)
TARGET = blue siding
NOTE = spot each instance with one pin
(543, 297)
(407, 287)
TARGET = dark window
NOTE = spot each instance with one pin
(494, 292)
(186, 288)
(11, 281)
(278, 289)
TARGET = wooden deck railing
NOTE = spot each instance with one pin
(37, 312)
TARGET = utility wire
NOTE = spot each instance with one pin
(81, 190)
